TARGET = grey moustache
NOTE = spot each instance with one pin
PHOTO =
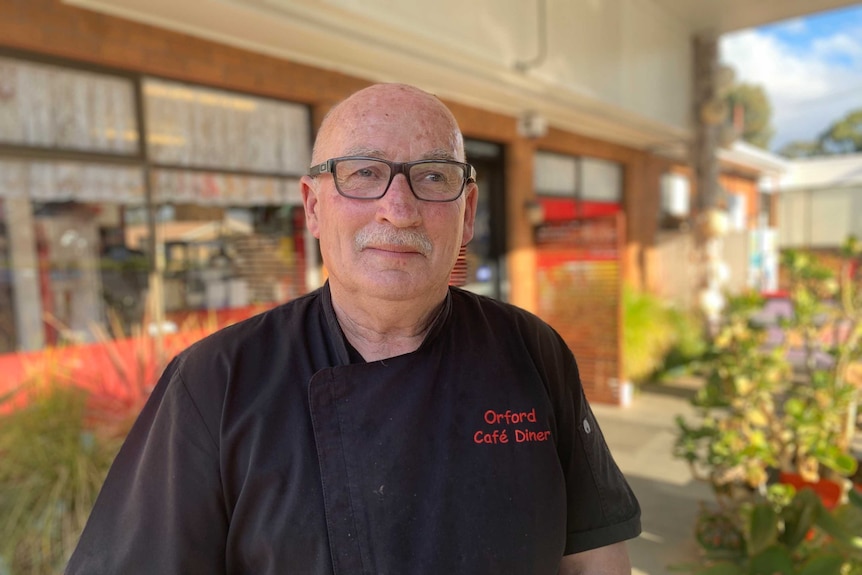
(394, 237)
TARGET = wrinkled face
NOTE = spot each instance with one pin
(397, 247)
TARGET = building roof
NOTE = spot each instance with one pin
(824, 172)
(755, 159)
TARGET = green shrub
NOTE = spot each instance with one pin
(656, 336)
(51, 469)
(689, 340)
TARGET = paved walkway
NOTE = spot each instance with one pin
(641, 437)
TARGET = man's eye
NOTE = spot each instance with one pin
(368, 173)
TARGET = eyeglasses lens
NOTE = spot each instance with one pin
(433, 181)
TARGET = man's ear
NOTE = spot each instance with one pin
(308, 188)
(471, 196)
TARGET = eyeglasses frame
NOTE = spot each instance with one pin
(395, 168)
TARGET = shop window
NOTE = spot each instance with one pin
(228, 241)
(555, 175)
(675, 205)
(602, 181)
(65, 274)
(737, 208)
(570, 187)
(220, 219)
(48, 106)
(485, 254)
(200, 127)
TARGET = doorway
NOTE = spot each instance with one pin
(486, 262)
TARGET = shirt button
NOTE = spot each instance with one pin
(587, 427)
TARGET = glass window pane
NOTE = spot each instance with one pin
(213, 188)
(555, 174)
(55, 181)
(675, 195)
(602, 180)
(67, 269)
(233, 244)
(52, 107)
(737, 208)
(202, 127)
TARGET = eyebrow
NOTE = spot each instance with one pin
(438, 154)
(435, 154)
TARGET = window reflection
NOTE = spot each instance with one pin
(76, 248)
(87, 248)
(58, 221)
(227, 257)
(7, 317)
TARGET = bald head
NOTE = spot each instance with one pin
(401, 104)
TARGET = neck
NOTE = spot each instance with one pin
(383, 329)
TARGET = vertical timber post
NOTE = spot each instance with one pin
(709, 114)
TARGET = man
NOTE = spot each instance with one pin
(384, 424)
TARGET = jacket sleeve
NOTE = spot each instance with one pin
(161, 508)
(601, 507)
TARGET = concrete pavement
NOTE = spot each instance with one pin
(641, 438)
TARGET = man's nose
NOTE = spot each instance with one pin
(398, 205)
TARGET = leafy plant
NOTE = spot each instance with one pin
(655, 334)
(756, 413)
(647, 333)
(786, 533)
(738, 437)
(689, 341)
(759, 413)
(822, 413)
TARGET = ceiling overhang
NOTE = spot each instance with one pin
(321, 36)
(303, 32)
(718, 17)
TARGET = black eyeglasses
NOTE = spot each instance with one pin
(364, 178)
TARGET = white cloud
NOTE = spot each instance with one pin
(840, 45)
(794, 26)
(808, 90)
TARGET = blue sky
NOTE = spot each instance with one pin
(810, 67)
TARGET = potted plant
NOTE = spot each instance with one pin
(739, 436)
(783, 533)
(822, 411)
(761, 410)
(776, 418)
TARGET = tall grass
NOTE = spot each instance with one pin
(52, 469)
(59, 433)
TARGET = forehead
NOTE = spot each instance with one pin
(395, 123)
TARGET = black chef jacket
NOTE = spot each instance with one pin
(263, 450)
